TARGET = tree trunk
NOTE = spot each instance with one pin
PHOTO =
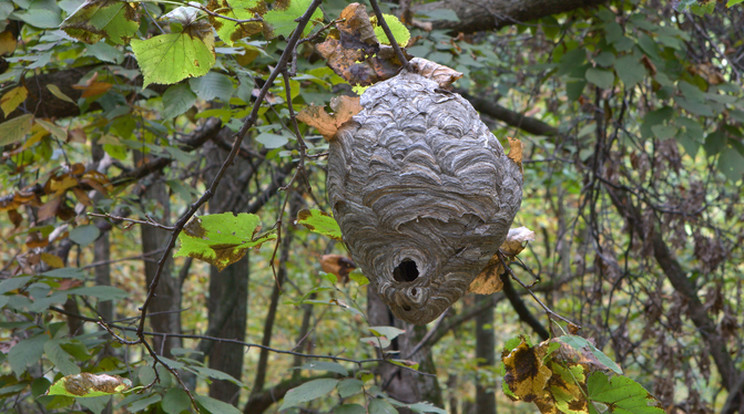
(165, 310)
(485, 354)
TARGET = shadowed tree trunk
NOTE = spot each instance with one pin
(165, 310)
(485, 354)
(228, 289)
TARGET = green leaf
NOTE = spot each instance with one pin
(621, 394)
(84, 235)
(349, 409)
(319, 222)
(61, 359)
(26, 352)
(329, 366)
(398, 29)
(731, 163)
(271, 141)
(11, 99)
(143, 403)
(602, 78)
(389, 332)
(221, 239)
(89, 385)
(579, 343)
(308, 391)
(630, 70)
(13, 283)
(177, 99)
(212, 85)
(230, 31)
(169, 58)
(175, 401)
(42, 18)
(15, 129)
(349, 387)
(426, 407)
(65, 273)
(381, 406)
(104, 52)
(730, 3)
(101, 292)
(95, 19)
(282, 21)
(56, 91)
(216, 406)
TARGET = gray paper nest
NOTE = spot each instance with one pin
(423, 193)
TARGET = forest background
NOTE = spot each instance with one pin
(121, 121)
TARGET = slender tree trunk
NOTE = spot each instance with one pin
(485, 354)
(165, 311)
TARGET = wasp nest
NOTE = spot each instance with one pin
(423, 193)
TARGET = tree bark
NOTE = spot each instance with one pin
(485, 354)
(480, 15)
(165, 311)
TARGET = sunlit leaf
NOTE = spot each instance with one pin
(319, 222)
(622, 395)
(308, 391)
(11, 99)
(169, 58)
(230, 31)
(85, 385)
(282, 21)
(115, 19)
(15, 129)
(221, 239)
(398, 29)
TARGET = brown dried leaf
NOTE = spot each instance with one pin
(515, 151)
(440, 74)
(353, 51)
(526, 375)
(339, 265)
(52, 260)
(344, 108)
(515, 241)
(15, 217)
(488, 280)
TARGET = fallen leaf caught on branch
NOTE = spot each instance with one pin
(344, 108)
(489, 281)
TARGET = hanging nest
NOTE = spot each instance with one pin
(423, 193)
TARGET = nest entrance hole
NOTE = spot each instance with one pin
(406, 271)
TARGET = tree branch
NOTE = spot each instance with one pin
(511, 118)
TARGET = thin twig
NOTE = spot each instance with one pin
(389, 33)
(149, 222)
(549, 311)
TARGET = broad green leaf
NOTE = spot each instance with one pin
(578, 343)
(214, 406)
(272, 141)
(733, 2)
(319, 222)
(169, 58)
(41, 17)
(142, 403)
(88, 385)
(177, 99)
(206, 372)
(221, 239)
(230, 31)
(381, 406)
(621, 394)
(390, 332)
(54, 89)
(348, 387)
(13, 283)
(426, 407)
(398, 29)
(212, 85)
(60, 358)
(15, 129)
(53, 129)
(630, 70)
(115, 19)
(329, 366)
(26, 352)
(84, 235)
(731, 163)
(175, 401)
(282, 21)
(308, 391)
(101, 292)
(602, 78)
(65, 273)
(11, 99)
(349, 409)
(104, 52)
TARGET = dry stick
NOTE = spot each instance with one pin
(549, 311)
(148, 222)
(250, 120)
(388, 33)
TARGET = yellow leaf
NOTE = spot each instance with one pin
(52, 260)
(515, 151)
(8, 42)
(56, 91)
(344, 108)
(526, 375)
(14, 97)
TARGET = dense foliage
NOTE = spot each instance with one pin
(132, 131)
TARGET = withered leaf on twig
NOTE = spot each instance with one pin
(339, 265)
(344, 108)
(489, 281)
